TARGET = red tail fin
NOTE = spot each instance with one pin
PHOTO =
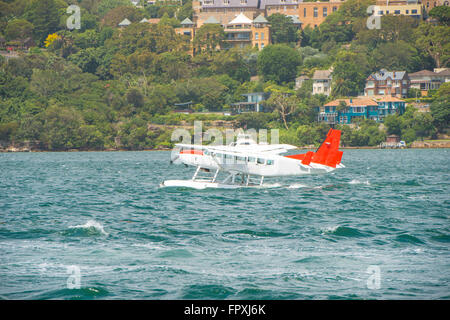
(328, 153)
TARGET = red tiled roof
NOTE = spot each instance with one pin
(153, 20)
(355, 102)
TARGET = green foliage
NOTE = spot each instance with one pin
(411, 125)
(102, 87)
(18, 29)
(441, 13)
(209, 38)
(440, 108)
(45, 16)
(349, 74)
(435, 40)
(282, 29)
(278, 63)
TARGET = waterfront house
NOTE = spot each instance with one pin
(346, 111)
(387, 83)
(389, 105)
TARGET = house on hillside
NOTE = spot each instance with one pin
(254, 103)
(322, 82)
(425, 80)
(346, 111)
(387, 83)
(299, 81)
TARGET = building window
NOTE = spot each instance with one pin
(262, 35)
(304, 12)
(325, 11)
(226, 1)
(414, 11)
(387, 11)
(396, 11)
(256, 36)
(243, 1)
(334, 9)
(262, 45)
(316, 12)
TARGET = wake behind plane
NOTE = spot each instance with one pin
(246, 163)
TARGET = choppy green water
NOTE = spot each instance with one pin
(299, 238)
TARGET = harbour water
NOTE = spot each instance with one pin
(97, 225)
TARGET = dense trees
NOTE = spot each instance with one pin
(282, 29)
(104, 87)
(278, 63)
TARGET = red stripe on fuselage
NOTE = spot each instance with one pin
(192, 151)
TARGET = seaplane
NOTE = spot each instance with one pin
(246, 163)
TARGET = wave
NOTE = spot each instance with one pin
(408, 239)
(90, 228)
(83, 293)
(342, 231)
(211, 291)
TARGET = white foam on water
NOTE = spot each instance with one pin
(356, 181)
(91, 224)
(297, 186)
(329, 229)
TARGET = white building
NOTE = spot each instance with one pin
(322, 82)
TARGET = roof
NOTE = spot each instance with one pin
(444, 73)
(211, 20)
(383, 74)
(125, 22)
(389, 99)
(322, 74)
(265, 3)
(422, 73)
(143, 20)
(230, 4)
(241, 19)
(154, 20)
(355, 102)
(186, 21)
(254, 94)
(260, 19)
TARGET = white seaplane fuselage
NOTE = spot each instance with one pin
(243, 161)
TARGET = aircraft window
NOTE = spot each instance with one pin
(240, 159)
(251, 159)
(261, 161)
(270, 162)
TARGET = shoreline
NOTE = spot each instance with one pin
(18, 150)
